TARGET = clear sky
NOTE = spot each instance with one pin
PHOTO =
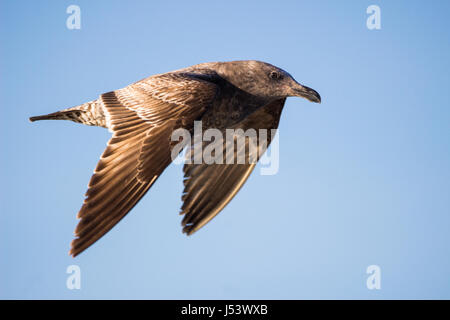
(364, 177)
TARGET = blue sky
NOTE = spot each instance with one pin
(364, 177)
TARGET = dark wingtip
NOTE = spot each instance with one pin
(74, 251)
(318, 98)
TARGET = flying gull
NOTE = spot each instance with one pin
(143, 116)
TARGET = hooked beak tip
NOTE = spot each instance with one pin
(308, 93)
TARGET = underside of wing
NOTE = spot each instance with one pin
(142, 118)
(208, 188)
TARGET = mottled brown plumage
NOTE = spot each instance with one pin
(142, 118)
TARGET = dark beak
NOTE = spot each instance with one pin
(307, 93)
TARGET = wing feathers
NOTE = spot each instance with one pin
(142, 117)
(209, 188)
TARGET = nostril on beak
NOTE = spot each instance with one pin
(308, 93)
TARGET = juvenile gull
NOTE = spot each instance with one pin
(142, 116)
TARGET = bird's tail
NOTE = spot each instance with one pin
(59, 115)
(90, 113)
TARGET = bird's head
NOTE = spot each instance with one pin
(264, 80)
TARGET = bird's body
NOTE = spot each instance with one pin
(143, 117)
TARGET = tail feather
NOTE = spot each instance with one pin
(90, 113)
(59, 115)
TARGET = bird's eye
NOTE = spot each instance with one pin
(275, 75)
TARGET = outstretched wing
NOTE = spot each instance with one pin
(209, 187)
(142, 118)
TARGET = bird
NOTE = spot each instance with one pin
(142, 117)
